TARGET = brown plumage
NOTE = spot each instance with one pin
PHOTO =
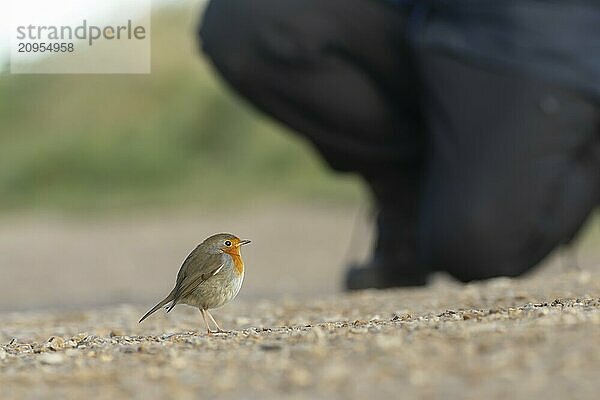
(211, 275)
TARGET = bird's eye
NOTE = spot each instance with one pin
(227, 243)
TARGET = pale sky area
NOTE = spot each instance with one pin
(56, 11)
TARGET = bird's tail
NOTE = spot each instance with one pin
(167, 299)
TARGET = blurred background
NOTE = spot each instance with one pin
(108, 181)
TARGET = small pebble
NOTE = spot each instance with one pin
(55, 343)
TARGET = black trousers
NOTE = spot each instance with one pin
(490, 169)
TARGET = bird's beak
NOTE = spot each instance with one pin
(243, 242)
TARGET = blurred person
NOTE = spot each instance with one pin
(475, 124)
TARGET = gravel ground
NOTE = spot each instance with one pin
(537, 337)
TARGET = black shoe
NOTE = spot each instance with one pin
(375, 275)
(395, 261)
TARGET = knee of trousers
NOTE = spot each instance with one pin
(475, 243)
(241, 37)
(224, 36)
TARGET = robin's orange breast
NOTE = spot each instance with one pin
(238, 263)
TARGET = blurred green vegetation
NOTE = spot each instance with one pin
(175, 137)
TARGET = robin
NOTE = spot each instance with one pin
(210, 277)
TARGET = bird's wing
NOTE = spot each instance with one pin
(196, 269)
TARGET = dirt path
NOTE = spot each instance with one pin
(293, 334)
(89, 261)
(530, 338)
(72, 263)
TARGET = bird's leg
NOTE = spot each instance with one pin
(208, 331)
(219, 330)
